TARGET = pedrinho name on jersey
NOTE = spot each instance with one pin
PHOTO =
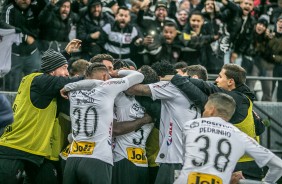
(215, 131)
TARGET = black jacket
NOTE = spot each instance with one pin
(232, 16)
(52, 27)
(239, 94)
(26, 21)
(86, 26)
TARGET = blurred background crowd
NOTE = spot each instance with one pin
(187, 32)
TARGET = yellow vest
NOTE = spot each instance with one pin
(248, 126)
(61, 129)
(152, 147)
(32, 128)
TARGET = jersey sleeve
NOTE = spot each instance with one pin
(115, 85)
(261, 154)
(163, 90)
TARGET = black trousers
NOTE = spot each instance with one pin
(12, 172)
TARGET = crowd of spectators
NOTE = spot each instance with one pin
(204, 32)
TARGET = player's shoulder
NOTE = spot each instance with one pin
(215, 122)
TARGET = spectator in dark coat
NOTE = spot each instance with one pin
(56, 22)
(25, 58)
(276, 47)
(89, 28)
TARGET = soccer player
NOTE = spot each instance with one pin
(176, 109)
(129, 149)
(91, 159)
(213, 146)
(231, 80)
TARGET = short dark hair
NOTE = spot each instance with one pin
(123, 8)
(170, 24)
(164, 68)
(120, 63)
(224, 104)
(100, 57)
(198, 70)
(79, 67)
(180, 65)
(94, 67)
(150, 75)
(235, 72)
(196, 12)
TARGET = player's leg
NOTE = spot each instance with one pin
(91, 170)
(125, 172)
(71, 167)
(167, 172)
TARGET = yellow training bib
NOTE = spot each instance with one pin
(200, 178)
(82, 148)
(136, 155)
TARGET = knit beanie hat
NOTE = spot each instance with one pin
(264, 19)
(161, 3)
(51, 60)
(109, 3)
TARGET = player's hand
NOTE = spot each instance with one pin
(64, 93)
(147, 119)
(73, 46)
(114, 74)
(236, 176)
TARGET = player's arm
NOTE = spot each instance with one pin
(120, 128)
(132, 76)
(86, 84)
(204, 86)
(190, 90)
(263, 157)
(274, 170)
(139, 90)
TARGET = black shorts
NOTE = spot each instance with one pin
(125, 172)
(166, 173)
(87, 170)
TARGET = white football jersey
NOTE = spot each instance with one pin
(131, 145)
(176, 109)
(212, 149)
(7, 38)
(91, 113)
